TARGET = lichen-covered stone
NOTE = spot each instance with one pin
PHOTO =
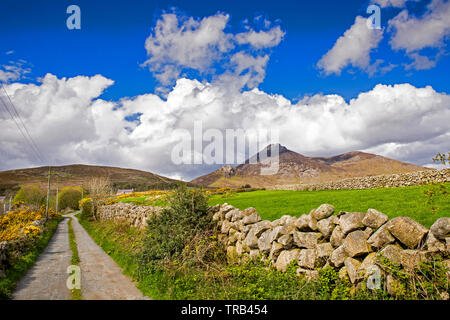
(249, 211)
(368, 231)
(434, 245)
(352, 267)
(441, 228)
(323, 211)
(251, 240)
(324, 250)
(338, 256)
(265, 241)
(374, 219)
(237, 215)
(411, 259)
(240, 248)
(226, 226)
(407, 231)
(392, 252)
(309, 274)
(337, 237)
(307, 240)
(312, 223)
(285, 258)
(367, 265)
(252, 218)
(307, 258)
(381, 238)
(279, 231)
(326, 226)
(286, 241)
(351, 221)
(302, 223)
(355, 244)
(275, 250)
(259, 227)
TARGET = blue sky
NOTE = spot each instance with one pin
(138, 74)
(111, 42)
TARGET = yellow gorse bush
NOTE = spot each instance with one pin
(20, 221)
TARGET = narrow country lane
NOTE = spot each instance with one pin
(101, 277)
(46, 280)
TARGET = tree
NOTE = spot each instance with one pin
(442, 158)
(31, 195)
(69, 197)
(99, 189)
(437, 189)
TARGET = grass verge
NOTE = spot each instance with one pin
(75, 293)
(21, 265)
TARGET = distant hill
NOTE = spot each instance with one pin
(78, 174)
(295, 168)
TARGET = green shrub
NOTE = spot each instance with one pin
(69, 197)
(86, 208)
(31, 195)
(168, 233)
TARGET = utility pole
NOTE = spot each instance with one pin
(10, 198)
(48, 194)
(57, 194)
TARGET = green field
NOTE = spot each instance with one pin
(145, 201)
(406, 201)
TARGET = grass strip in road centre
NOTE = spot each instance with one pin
(75, 293)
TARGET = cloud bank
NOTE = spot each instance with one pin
(72, 125)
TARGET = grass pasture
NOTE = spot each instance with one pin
(405, 201)
(145, 201)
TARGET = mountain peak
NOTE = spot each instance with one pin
(281, 148)
(294, 168)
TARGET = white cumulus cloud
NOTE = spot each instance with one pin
(412, 33)
(352, 48)
(179, 43)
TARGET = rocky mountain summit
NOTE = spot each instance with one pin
(295, 168)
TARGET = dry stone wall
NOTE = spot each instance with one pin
(135, 215)
(371, 182)
(348, 241)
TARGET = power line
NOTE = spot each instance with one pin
(27, 136)
(21, 121)
(23, 124)
(20, 129)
